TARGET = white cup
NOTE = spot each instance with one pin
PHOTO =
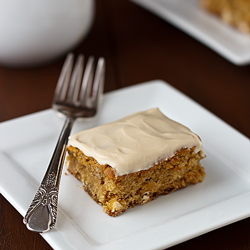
(33, 32)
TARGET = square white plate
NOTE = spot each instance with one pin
(223, 197)
(188, 16)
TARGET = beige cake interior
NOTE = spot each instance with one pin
(117, 193)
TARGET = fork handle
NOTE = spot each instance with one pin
(42, 213)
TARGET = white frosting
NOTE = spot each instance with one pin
(135, 142)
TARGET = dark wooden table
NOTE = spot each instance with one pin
(138, 47)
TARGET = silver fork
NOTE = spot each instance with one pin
(76, 95)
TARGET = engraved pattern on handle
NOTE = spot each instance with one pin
(46, 195)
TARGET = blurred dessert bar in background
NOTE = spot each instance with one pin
(233, 12)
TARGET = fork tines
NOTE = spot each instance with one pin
(78, 88)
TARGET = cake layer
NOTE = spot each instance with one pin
(136, 142)
(117, 193)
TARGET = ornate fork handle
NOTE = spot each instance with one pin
(42, 213)
(77, 94)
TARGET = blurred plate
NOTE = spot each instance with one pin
(27, 144)
(188, 16)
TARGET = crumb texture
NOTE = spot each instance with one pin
(118, 193)
(233, 12)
